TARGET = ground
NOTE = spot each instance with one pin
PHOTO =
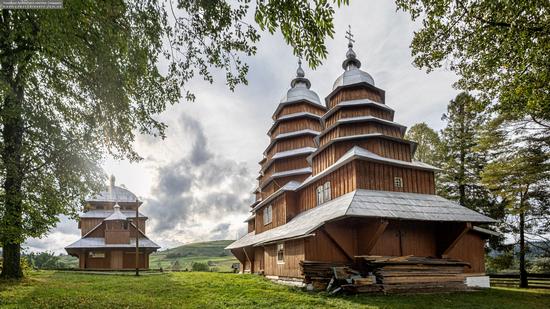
(49, 289)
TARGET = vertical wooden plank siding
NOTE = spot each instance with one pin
(358, 111)
(470, 248)
(354, 93)
(296, 124)
(293, 254)
(278, 207)
(300, 107)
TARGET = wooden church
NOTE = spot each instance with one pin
(338, 181)
(109, 228)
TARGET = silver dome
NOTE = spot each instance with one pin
(300, 92)
(353, 76)
(300, 88)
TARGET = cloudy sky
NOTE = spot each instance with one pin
(196, 184)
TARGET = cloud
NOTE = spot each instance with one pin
(198, 186)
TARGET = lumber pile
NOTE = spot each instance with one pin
(319, 274)
(335, 277)
(409, 274)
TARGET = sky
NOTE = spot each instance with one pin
(196, 184)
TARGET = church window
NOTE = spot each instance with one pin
(280, 253)
(268, 215)
(320, 195)
(398, 182)
(326, 192)
(97, 255)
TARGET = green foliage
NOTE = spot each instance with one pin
(48, 260)
(47, 289)
(428, 143)
(198, 266)
(500, 48)
(504, 262)
(176, 266)
(540, 265)
(462, 160)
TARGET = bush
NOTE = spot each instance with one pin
(197, 266)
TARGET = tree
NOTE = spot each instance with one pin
(499, 48)
(78, 84)
(428, 143)
(519, 174)
(462, 160)
(176, 266)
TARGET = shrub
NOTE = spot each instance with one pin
(197, 266)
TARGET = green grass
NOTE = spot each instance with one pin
(48, 289)
(202, 252)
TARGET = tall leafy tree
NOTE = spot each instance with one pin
(462, 160)
(519, 173)
(499, 48)
(77, 84)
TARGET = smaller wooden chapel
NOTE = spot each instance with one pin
(109, 228)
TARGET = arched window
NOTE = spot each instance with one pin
(326, 192)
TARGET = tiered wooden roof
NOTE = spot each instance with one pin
(296, 123)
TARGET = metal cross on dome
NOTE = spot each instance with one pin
(349, 36)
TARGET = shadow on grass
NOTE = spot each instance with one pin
(487, 298)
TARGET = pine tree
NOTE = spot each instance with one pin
(462, 159)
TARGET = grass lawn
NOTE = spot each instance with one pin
(48, 289)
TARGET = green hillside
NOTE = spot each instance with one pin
(211, 253)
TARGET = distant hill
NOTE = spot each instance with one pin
(209, 252)
(208, 248)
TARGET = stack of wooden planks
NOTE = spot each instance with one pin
(319, 274)
(316, 269)
(409, 274)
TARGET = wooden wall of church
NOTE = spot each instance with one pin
(405, 238)
(278, 207)
(258, 259)
(296, 124)
(470, 248)
(360, 128)
(332, 242)
(292, 143)
(286, 165)
(299, 108)
(354, 93)
(382, 147)
(358, 111)
(293, 254)
(377, 176)
(277, 183)
(342, 181)
(129, 260)
(87, 224)
(98, 263)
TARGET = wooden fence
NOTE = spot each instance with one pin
(535, 281)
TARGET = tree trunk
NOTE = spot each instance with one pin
(12, 220)
(522, 271)
(462, 158)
